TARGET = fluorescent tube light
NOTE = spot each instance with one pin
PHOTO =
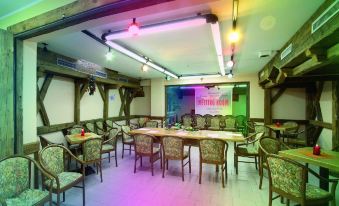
(218, 46)
(200, 76)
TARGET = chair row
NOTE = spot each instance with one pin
(217, 122)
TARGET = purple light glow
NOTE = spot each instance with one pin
(193, 87)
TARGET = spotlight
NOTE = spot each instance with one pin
(144, 68)
(109, 54)
(230, 75)
(168, 78)
(230, 64)
(234, 36)
(133, 28)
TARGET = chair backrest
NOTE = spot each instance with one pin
(230, 122)
(208, 118)
(215, 121)
(90, 127)
(109, 123)
(292, 124)
(212, 150)
(92, 149)
(76, 129)
(15, 174)
(186, 120)
(153, 124)
(113, 136)
(52, 159)
(200, 121)
(270, 145)
(173, 147)
(287, 175)
(100, 127)
(143, 144)
(125, 129)
(257, 137)
(142, 121)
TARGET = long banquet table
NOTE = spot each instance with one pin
(192, 136)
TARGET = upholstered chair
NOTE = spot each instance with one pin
(101, 130)
(215, 123)
(288, 178)
(268, 145)
(90, 127)
(173, 149)
(230, 123)
(249, 149)
(213, 151)
(144, 146)
(110, 145)
(76, 129)
(52, 159)
(92, 150)
(127, 139)
(153, 124)
(186, 120)
(15, 182)
(200, 122)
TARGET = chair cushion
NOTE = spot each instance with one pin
(315, 193)
(28, 197)
(106, 147)
(247, 150)
(65, 179)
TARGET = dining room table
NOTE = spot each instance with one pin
(327, 160)
(78, 138)
(279, 128)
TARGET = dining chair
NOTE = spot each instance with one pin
(249, 149)
(199, 122)
(127, 139)
(215, 123)
(76, 129)
(90, 127)
(92, 150)
(288, 178)
(186, 120)
(144, 146)
(230, 123)
(52, 159)
(268, 145)
(142, 121)
(15, 182)
(213, 151)
(290, 133)
(101, 130)
(110, 145)
(152, 124)
(173, 149)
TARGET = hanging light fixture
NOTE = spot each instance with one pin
(144, 68)
(134, 28)
(230, 75)
(109, 54)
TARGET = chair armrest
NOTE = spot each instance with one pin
(333, 181)
(73, 156)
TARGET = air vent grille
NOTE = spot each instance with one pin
(286, 52)
(325, 16)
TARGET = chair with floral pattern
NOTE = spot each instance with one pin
(76, 129)
(15, 182)
(213, 151)
(144, 146)
(152, 124)
(127, 139)
(250, 149)
(173, 149)
(142, 121)
(215, 123)
(110, 145)
(101, 130)
(52, 159)
(199, 122)
(186, 120)
(268, 145)
(90, 127)
(92, 150)
(288, 178)
(230, 123)
(240, 122)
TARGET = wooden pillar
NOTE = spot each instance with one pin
(77, 102)
(106, 100)
(309, 113)
(18, 92)
(335, 115)
(7, 93)
(268, 106)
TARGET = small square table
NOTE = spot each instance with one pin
(78, 139)
(279, 129)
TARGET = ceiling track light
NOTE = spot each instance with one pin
(200, 76)
(134, 28)
(230, 75)
(109, 54)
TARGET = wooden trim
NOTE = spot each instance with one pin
(43, 112)
(321, 124)
(335, 114)
(83, 89)
(101, 91)
(106, 103)
(31, 148)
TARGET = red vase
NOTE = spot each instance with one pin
(316, 150)
(82, 132)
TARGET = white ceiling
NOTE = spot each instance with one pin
(263, 25)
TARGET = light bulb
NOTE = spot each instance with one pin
(133, 28)
(234, 36)
(109, 55)
(230, 64)
(144, 68)
(230, 75)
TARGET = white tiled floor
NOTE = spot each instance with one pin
(122, 187)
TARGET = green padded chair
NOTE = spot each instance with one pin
(127, 139)
(15, 183)
(288, 178)
(186, 120)
(52, 159)
(152, 124)
(110, 145)
(199, 122)
(215, 123)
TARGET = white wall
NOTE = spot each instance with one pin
(158, 97)
(325, 139)
(29, 91)
(142, 105)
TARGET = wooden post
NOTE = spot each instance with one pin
(18, 92)
(106, 100)
(7, 93)
(310, 113)
(77, 102)
(267, 106)
(335, 115)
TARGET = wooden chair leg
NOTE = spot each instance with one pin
(261, 177)
(236, 163)
(182, 169)
(189, 159)
(167, 164)
(256, 163)
(140, 161)
(109, 157)
(100, 171)
(161, 160)
(116, 158)
(163, 169)
(63, 197)
(226, 175)
(130, 149)
(83, 192)
(200, 168)
(270, 197)
(222, 177)
(58, 199)
(152, 165)
(123, 150)
(135, 163)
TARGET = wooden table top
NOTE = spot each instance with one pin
(327, 159)
(194, 135)
(280, 128)
(78, 139)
